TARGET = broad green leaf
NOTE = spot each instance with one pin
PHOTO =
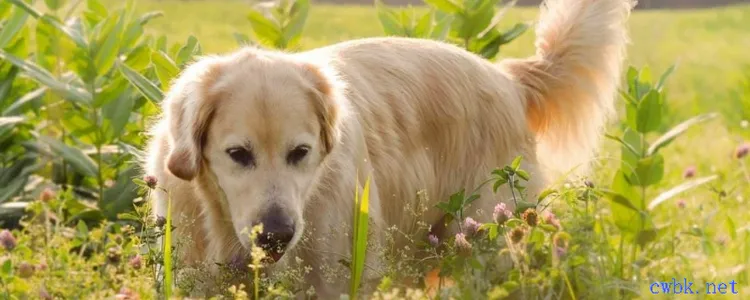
(145, 86)
(491, 49)
(107, 52)
(632, 78)
(619, 199)
(629, 159)
(676, 131)
(147, 17)
(544, 194)
(54, 4)
(111, 91)
(11, 189)
(688, 185)
(161, 43)
(424, 26)
(626, 208)
(97, 7)
(293, 29)
(186, 52)
(624, 144)
(664, 77)
(132, 34)
(264, 29)
(12, 26)
(478, 19)
(81, 162)
(5, 8)
(166, 69)
(442, 27)
(649, 112)
(388, 20)
(516, 164)
(646, 235)
(18, 104)
(139, 58)
(523, 174)
(117, 112)
(650, 170)
(491, 229)
(41, 75)
(52, 20)
(7, 268)
(445, 5)
(120, 196)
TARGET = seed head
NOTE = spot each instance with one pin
(7, 239)
(471, 227)
(114, 254)
(516, 235)
(531, 217)
(25, 270)
(434, 241)
(463, 245)
(501, 214)
(47, 195)
(150, 181)
(689, 172)
(742, 151)
(136, 262)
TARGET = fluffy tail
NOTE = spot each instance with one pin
(571, 83)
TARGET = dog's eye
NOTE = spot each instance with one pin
(297, 154)
(241, 156)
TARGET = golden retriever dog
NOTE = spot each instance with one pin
(284, 139)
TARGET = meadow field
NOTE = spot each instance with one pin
(87, 233)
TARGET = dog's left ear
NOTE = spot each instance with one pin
(189, 107)
(325, 97)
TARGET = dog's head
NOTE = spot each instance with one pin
(258, 125)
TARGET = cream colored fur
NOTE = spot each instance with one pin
(413, 114)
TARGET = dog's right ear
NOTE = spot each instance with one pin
(189, 108)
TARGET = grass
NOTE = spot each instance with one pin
(703, 234)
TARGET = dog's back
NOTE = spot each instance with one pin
(438, 118)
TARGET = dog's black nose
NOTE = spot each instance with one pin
(278, 232)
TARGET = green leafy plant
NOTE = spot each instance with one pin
(642, 164)
(86, 91)
(473, 24)
(278, 25)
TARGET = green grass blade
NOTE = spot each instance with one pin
(360, 238)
